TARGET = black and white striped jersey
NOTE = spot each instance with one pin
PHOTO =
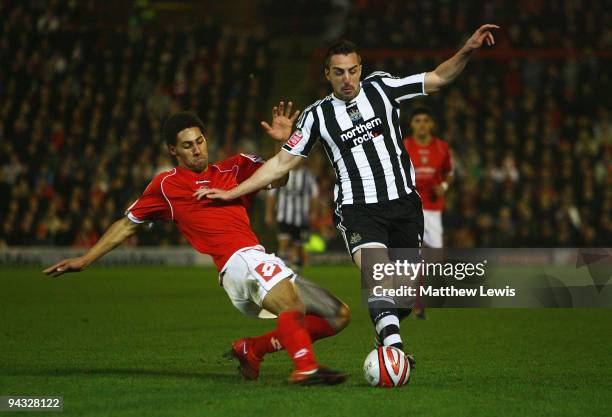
(362, 139)
(293, 200)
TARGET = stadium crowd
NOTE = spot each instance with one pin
(80, 116)
(82, 106)
(528, 24)
(532, 138)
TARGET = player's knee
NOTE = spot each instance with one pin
(343, 317)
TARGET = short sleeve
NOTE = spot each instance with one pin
(302, 140)
(152, 205)
(400, 89)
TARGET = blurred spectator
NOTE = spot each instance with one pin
(532, 137)
(82, 105)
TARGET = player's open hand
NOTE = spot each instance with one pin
(282, 122)
(213, 193)
(67, 265)
(482, 34)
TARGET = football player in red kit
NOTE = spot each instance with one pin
(433, 166)
(257, 283)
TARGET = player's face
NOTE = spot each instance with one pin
(190, 149)
(344, 73)
(421, 125)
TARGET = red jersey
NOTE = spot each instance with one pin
(431, 163)
(214, 227)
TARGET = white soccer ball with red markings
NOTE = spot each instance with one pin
(387, 366)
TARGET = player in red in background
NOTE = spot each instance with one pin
(433, 165)
(257, 283)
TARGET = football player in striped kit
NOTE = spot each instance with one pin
(377, 205)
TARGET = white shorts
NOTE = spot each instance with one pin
(249, 275)
(433, 229)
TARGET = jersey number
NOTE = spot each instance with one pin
(267, 270)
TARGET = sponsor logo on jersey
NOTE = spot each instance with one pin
(295, 138)
(202, 181)
(362, 132)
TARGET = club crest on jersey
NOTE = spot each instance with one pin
(295, 138)
(354, 114)
(355, 238)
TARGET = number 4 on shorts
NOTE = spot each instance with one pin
(267, 270)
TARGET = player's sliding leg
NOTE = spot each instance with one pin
(259, 283)
(281, 300)
(322, 305)
(284, 301)
(325, 316)
(292, 334)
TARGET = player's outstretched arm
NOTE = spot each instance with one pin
(275, 168)
(114, 235)
(447, 71)
(282, 181)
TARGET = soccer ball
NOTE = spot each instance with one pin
(386, 366)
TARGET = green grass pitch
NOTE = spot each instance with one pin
(149, 341)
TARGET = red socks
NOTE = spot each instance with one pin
(317, 328)
(266, 343)
(295, 338)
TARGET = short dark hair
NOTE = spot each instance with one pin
(421, 110)
(341, 47)
(179, 121)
